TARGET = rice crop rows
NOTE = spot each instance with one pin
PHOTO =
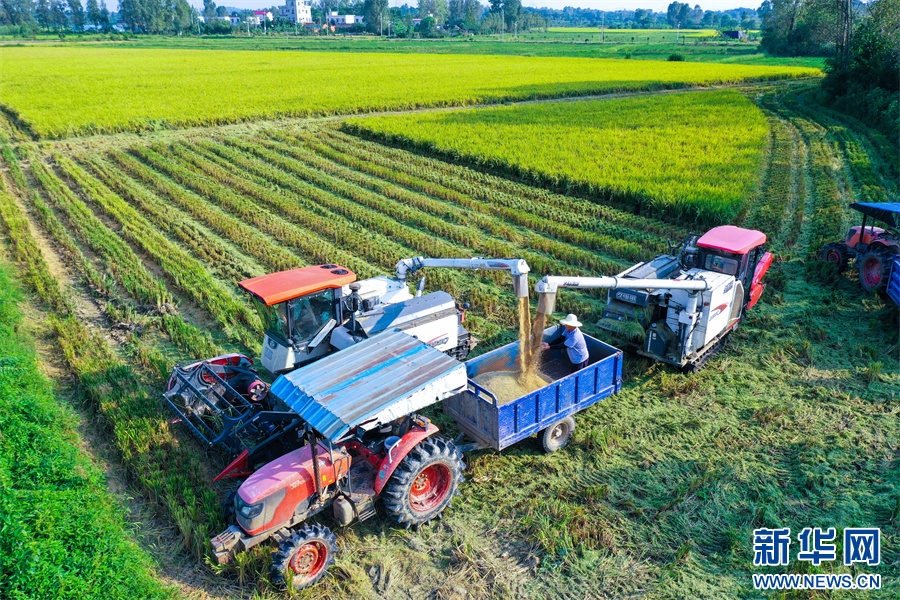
(691, 157)
(58, 92)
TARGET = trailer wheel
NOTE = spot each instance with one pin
(558, 435)
(837, 254)
(424, 483)
(874, 269)
(303, 558)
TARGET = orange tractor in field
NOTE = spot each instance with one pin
(873, 248)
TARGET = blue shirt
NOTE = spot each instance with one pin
(575, 346)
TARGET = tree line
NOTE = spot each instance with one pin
(55, 15)
(677, 14)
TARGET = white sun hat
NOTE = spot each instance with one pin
(571, 320)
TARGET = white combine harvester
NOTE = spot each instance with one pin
(679, 309)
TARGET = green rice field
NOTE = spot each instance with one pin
(63, 91)
(686, 156)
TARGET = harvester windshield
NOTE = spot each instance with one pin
(297, 319)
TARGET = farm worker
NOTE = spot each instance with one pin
(573, 341)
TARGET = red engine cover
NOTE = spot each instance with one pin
(871, 233)
(294, 473)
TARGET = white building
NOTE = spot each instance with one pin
(297, 11)
(344, 20)
(256, 19)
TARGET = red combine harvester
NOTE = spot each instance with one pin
(873, 248)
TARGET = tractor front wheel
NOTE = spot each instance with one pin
(424, 483)
(836, 254)
(303, 558)
(558, 435)
(874, 269)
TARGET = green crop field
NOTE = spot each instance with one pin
(527, 44)
(66, 91)
(687, 156)
(62, 534)
(132, 244)
(794, 425)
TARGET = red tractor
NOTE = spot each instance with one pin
(873, 248)
(360, 441)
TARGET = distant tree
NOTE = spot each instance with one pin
(377, 16)
(512, 10)
(42, 13)
(93, 13)
(58, 17)
(105, 21)
(221, 11)
(209, 10)
(182, 16)
(456, 12)
(76, 10)
(695, 17)
(427, 27)
(17, 12)
(678, 14)
(436, 8)
(491, 22)
(865, 81)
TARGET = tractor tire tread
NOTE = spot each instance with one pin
(396, 492)
(282, 556)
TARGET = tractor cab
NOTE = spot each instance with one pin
(737, 252)
(298, 309)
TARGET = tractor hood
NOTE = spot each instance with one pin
(293, 470)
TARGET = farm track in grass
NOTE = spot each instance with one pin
(661, 485)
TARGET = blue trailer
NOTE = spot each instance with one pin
(548, 410)
(893, 288)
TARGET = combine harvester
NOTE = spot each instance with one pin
(341, 431)
(679, 309)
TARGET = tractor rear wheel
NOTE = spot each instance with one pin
(875, 268)
(557, 436)
(303, 558)
(424, 483)
(836, 254)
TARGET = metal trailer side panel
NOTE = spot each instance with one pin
(893, 289)
(480, 417)
(540, 409)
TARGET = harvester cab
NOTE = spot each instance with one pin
(873, 248)
(679, 309)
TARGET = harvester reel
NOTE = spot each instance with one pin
(303, 558)
(425, 482)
